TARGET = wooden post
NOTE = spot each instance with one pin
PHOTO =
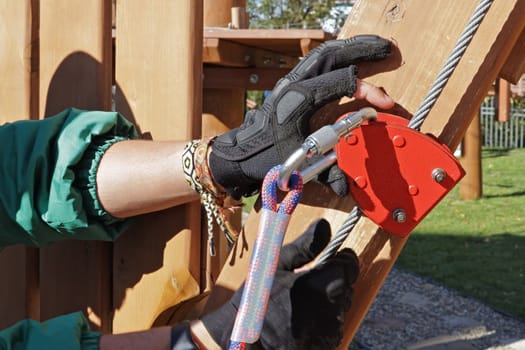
(157, 263)
(20, 296)
(470, 187)
(424, 34)
(223, 109)
(218, 13)
(75, 71)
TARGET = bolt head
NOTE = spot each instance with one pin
(439, 175)
(351, 139)
(399, 141)
(399, 216)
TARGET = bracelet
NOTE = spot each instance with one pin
(198, 176)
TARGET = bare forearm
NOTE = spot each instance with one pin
(139, 176)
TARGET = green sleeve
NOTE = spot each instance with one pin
(64, 332)
(47, 170)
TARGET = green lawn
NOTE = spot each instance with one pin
(478, 247)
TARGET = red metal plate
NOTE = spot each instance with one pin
(392, 172)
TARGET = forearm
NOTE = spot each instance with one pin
(139, 176)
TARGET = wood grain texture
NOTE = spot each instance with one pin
(424, 34)
(158, 262)
(75, 71)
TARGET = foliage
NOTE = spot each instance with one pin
(476, 247)
(286, 14)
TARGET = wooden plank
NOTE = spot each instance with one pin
(19, 266)
(284, 41)
(19, 294)
(514, 67)
(228, 53)
(425, 34)
(75, 70)
(15, 59)
(158, 77)
(242, 78)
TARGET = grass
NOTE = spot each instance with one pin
(478, 247)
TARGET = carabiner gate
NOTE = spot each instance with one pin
(320, 142)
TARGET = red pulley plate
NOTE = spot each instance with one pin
(396, 174)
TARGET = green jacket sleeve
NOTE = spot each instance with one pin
(64, 332)
(47, 170)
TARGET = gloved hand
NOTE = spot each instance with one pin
(241, 158)
(306, 309)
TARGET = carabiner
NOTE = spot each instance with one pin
(320, 142)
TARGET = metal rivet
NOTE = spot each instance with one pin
(351, 139)
(413, 190)
(439, 175)
(399, 216)
(254, 78)
(360, 182)
(399, 141)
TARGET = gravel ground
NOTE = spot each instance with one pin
(412, 312)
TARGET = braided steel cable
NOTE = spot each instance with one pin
(339, 237)
(419, 116)
(450, 64)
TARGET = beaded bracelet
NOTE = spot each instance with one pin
(198, 176)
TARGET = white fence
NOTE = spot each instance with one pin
(509, 134)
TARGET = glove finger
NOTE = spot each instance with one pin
(335, 54)
(336, 179)
(305, 248)
(328, 87)
(335, 277)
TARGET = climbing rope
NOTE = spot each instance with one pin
(419, 116)
(265, 257)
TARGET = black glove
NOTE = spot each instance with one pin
(241, 158)
(305, 310)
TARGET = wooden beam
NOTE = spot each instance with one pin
(471, 186)
(20, 296)
(242, 78)
(228, 53)
(75, 71)
(17, 20)
(287, 42)
(424, 33)
(157, 263)
(514, 67)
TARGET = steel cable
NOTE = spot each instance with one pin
(419, 116)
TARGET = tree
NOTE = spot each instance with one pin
(312, 14)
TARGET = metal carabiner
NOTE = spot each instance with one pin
(320, 142)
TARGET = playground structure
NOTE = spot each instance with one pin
(60, 53)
